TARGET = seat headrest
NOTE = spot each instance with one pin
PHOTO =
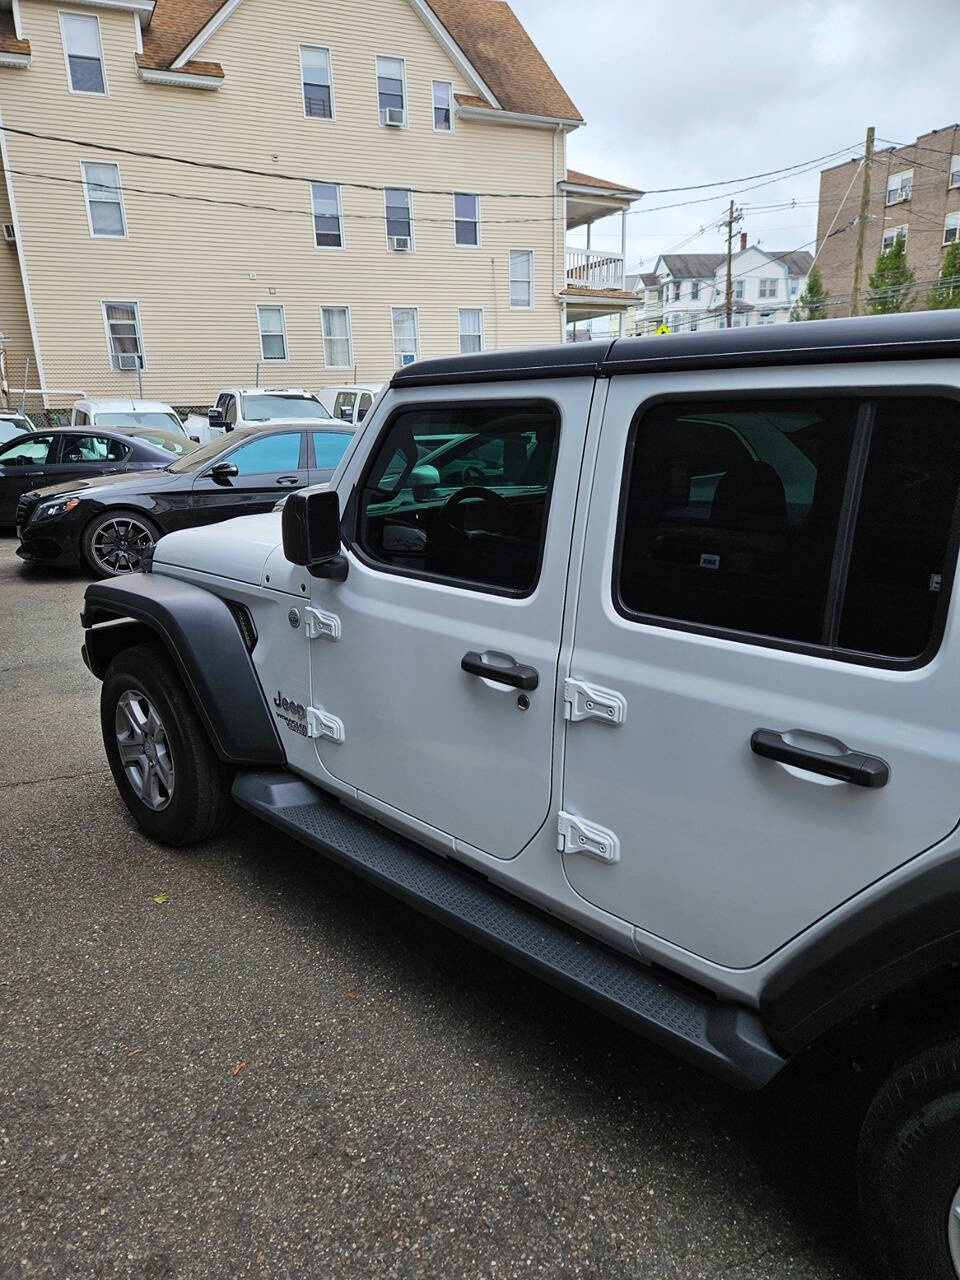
(750, 496)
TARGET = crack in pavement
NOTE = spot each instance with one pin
(56, 777)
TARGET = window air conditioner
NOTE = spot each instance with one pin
(8, 233)
(393, 116)
(400, 244)
(898, 196)
(128, 361)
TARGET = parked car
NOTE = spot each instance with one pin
(666, 709)
(350, 403)
(62, 454)
(108, 524)
(254, 406)
(13, 424)
(177, 444)
(126, 413)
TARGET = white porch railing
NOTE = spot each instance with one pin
(594, 269)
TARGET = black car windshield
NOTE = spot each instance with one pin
(265, 408)
(160, 421)
(198, 458)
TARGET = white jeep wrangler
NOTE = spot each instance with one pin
(636, 662)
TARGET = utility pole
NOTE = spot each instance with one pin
(862, 222)
(731, 218)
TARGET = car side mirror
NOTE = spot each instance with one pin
(215, 416)
(223, 472)
(424, 481)
(311, 533)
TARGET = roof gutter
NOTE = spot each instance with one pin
(516, 118)
(178, 79)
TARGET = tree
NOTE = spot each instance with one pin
(812, 303)
(946, 293)
(892, 281)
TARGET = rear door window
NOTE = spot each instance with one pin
(813, 522)
(328, 448)
(93, 449)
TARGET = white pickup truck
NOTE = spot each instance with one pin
(634, 661)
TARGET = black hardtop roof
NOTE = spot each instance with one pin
(914, 335)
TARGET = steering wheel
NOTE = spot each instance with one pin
(451, 513)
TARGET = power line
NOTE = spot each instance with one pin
(222, 167)
(750, 177)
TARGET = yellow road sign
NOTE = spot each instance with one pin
(664, 328)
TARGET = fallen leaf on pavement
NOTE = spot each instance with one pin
(132, 1053)
(351, 995)
(238, 1068)
(161, 898)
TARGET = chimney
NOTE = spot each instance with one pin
(743, 241)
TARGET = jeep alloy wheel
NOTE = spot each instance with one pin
(144, 750)
(953, 1232)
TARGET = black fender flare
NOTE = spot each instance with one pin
(204, 641)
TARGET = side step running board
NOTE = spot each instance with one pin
(725, 1039)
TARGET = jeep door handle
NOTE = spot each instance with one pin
(517, 676)
(292, 481)
(850, 766)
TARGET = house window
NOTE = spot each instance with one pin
(899, 186)
(124, 339)
(399, 214)
(768, 288)
(891, 235)
(694, 290)
(471, 330)
(794, 286)
(521, 278)
(273, 334)
(442, 106)
(101, 185)
(406, 335)
(391, 93)
(675, 321)
(327, 215)
(676, 291)
(738, 286)
(84, 54)
(466, 220)
(693, 324)
(954, 172)
(317, 82)
(337, 337)
(951, 227)
(766, 317)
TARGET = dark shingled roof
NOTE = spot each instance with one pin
(692, 266)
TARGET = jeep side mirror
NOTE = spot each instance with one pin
(311, 533)
(223, 472)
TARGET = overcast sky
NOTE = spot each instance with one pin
(677, 92)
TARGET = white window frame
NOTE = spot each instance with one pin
(694, 290)
(460, 333)
(954, 227)
(327, 248)
(273, 306)
(893, 232)
(111, 354)
(305, 44)
(83, 93)
(433, 106)
(100, 235)
(763, 287)
(738, 289)
(531, 255)
(456, 220)
(386, 223)
(895, 183)
(392, 57)
(337, 306)
(416, 331)
(954, 178)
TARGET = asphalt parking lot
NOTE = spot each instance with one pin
(279, 1072)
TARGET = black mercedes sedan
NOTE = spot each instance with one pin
(51, 457)
(107, 523)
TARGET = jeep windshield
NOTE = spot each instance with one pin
(266, 408)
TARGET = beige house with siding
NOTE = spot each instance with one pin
(198, 194)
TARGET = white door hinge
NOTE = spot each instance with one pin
(321, 625)
(576, 835)
(321, 724)
(588, 701)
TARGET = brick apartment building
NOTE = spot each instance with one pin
(915, 190)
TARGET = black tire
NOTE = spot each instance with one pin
(909, 1166)
(97, 566)
(198, 803)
